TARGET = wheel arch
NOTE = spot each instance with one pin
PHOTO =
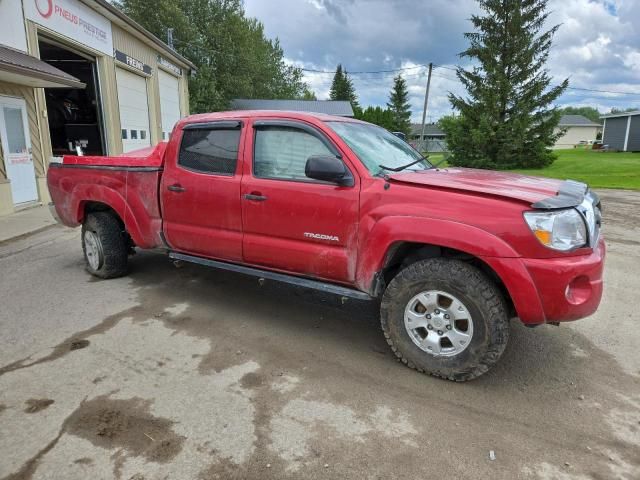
(402, 254)
(395, 242)
(106, 199)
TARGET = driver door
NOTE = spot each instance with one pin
(290, 222)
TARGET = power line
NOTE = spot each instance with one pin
(603, 91)
(393, 70)
(455, 69)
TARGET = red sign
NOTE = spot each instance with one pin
(45, 7)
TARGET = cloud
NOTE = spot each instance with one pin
(596, 46)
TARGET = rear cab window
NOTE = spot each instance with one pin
(210, 148)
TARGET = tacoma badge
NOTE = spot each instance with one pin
(320, 236)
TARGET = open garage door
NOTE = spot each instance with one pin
(169, 102)
(74, 114)
(134, 110)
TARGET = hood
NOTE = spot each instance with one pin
(509, 185)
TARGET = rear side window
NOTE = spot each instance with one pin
(210, 150)
(282, 152)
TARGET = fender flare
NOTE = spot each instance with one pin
(430, 231)
(84, 193)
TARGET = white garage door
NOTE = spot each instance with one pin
(134, 110)
(169, 102)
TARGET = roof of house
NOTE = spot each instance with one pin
(330, 107)
(16, 65)
(430, 130)
(576, 121)
(621, 114)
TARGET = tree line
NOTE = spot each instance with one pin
(233, 56)
(235, 59)
(395, 116)
(507, 117)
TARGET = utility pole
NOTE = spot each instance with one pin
(426, 101)
(170, 38)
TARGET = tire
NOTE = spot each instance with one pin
(104, 245)
(418, 291)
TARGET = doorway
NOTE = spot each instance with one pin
(75, 114)
(16, 145)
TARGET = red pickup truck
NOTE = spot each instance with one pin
(348, 208)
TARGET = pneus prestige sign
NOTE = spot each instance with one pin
(74, 20)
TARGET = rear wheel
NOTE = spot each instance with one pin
(446, 318)
(104, 244)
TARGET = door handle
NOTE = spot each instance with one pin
(176, 188)
(256, 197)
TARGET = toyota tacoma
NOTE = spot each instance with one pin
(346, 207)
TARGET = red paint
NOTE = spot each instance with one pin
(474, 211)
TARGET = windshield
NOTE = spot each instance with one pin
(375, 146)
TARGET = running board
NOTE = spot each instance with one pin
(278, 277)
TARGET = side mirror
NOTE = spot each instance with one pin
(328, 169)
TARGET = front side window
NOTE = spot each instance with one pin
(282, 152)
(376, 146)
(210, 150)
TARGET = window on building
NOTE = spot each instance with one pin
(282, 152)
(143, 134)
(134, 134)
(210, 150)
(124, 133)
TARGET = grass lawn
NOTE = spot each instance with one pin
(599, 170)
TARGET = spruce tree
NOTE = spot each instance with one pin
(507, 119)
(342, 88)
(337, 91)
(399, 106)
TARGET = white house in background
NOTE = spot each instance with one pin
(579, 130)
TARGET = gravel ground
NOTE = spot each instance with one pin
(194, 373)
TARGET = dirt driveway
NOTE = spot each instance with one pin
(193, 373)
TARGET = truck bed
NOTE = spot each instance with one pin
(126, 183)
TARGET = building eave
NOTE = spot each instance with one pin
(122, 20)
(20, 68)
(616, 115)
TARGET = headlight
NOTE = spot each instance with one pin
(561, 230)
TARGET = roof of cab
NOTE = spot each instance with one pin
(240, 114)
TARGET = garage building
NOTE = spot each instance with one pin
(622, 131)
(79, 77)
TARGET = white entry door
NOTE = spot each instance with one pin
(169, 102)
(16, 148)
(134, 110)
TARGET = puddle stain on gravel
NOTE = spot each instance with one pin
(77, 341)
(34, 405)
(124, 425)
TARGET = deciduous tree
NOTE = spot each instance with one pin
(233, 56)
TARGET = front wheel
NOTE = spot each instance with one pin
(446, 318)
(104, 245)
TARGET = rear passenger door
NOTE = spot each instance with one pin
(200, 191)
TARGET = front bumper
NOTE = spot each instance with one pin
(553, 289)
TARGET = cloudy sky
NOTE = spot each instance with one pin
(597, 46)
